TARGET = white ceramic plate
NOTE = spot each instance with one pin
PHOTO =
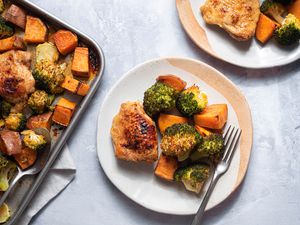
(218, 43)
(136, 180)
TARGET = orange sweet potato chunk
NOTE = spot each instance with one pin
(265, 29)
(213, 116)
(166, 120)
(26, 157)
(42, 120)
(172, 81)
(83, 89)
(62, 115)
(35, 30)
(70, 84)
(166, 167)
(65, 41)
(80, 63)
(66, 103)
(295, 8)
(10, 43)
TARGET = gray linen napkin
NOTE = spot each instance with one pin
(60, 175)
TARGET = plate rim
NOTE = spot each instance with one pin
(187, 17)
(170, 59)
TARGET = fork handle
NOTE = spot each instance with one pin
(199, 216)
(11, 186)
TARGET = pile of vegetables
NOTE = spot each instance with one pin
(191, 137)
(279, 19)
(58, 59)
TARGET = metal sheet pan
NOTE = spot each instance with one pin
(82, 106)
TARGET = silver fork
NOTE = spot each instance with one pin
(231, 137)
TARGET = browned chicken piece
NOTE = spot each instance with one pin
(10, 142)
(134, 134)
(237, 17)
(16, 80)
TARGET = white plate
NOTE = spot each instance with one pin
(218, 43)
(136, 180)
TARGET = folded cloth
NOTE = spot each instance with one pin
(59, 176)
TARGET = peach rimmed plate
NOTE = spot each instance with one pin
(216, 42)
(136, 180)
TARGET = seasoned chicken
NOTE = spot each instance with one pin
(134, 134)
(237, 17)
(16, 80)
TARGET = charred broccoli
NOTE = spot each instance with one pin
(39, 101)
(159, 98)
(49, 76)
(289, 32)
(273, 9)
(5, 108)
(15, 121)
(191, 101)
(5, 29)
(193, 176)
(7, 171)
(33, 140)
(211, 148)
(179, 140)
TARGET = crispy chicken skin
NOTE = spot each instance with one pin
(134, 134)
(237, 17)
(16, 80)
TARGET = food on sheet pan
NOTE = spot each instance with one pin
(37, 65)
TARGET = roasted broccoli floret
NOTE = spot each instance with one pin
(5, 29)
(212, 148)
(49, 76)
(191, 101)
(33, 140)
(159, 98)
(193, 176)
(179, 140)
(289, 32)
(39, 101)
(5, 108)
(273, 9)
(15, 121)
(7, 171)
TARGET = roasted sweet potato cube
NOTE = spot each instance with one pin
(70, 84)
(83, 89)
(26, 157)
(213, 116)
(166, 120)
(35, 30)
(166, 167)
(16, 16)
(80, 63)
(172, 81)
(42, 120)
(65, 41)
(265, 28)
(10, 43)
(66, 103)
(62, 115)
